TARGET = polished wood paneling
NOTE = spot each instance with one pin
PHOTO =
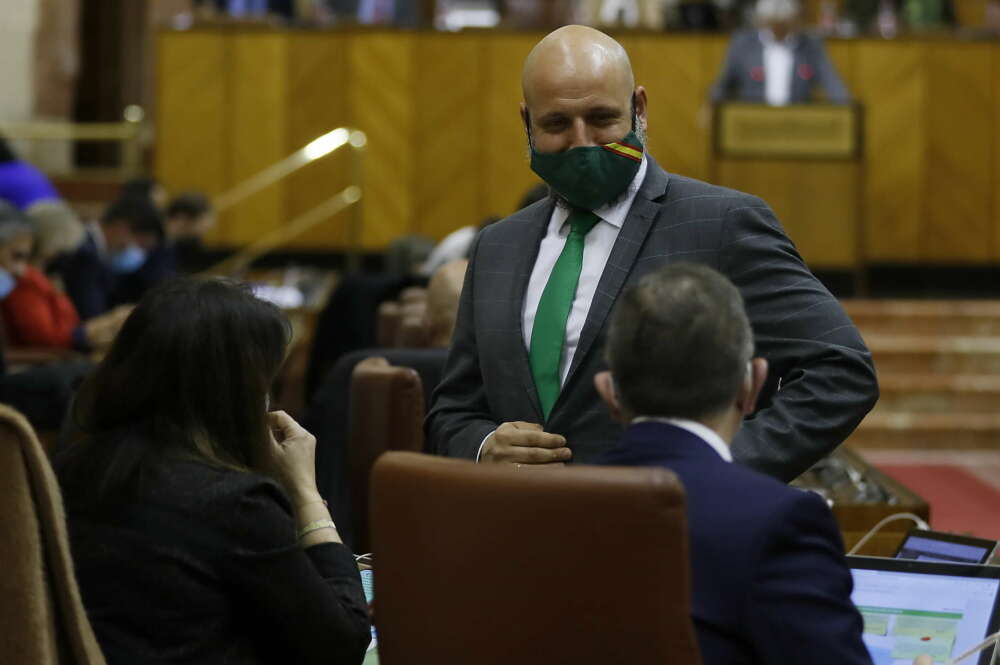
(892, 85)
(192, 112)
(258, 119)
(959, 178)
(449, 134)
(996, 153)
(447, 144)
(815, 202)
(677, 78)
(383, 95)
(506, 171)
(317, 102)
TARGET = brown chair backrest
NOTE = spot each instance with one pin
(494, 565)
(388, 320)
(387, 413)
(42, 620)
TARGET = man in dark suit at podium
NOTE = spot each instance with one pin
(777, 64)
(518, 383)
(769, 583)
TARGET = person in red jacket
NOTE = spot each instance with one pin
(34, 312)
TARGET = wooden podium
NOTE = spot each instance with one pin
(806, 161)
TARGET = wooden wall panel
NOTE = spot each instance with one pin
(257, 139)
(449, 114)
(814, 201)
(192, 114)
(958, 182)
(891, 83)
(506, 170)
(383, 95)
(996, 152)
(676, 79)
(318, 101)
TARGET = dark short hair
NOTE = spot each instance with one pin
(187, 375)
(140, 214)
(189, 204)
(7, 153)
(679, 343)
(141, 188)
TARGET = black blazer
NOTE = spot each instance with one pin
(769, 583)
(742, 76)
(825, 371)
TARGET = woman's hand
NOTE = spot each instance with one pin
(291, 457)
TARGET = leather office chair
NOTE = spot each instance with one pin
(494, 565)
(387, 413)
(42, 620)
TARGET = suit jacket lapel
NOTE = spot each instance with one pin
(633, 234)
(522, 276)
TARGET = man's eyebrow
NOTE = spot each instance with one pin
(551, 116)
(604, 111)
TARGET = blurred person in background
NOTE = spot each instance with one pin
(189, 217)
(146, 189)
(94, 276)
(777, 63)
(887, 16)
(35, 313)
(197, 531)
(21, 183)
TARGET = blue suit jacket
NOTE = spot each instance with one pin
(769, 581)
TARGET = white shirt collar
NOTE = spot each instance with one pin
(704, 433)
(613, 213)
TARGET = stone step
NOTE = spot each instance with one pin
(920, 354)
(925, 317)
(938, 393)
(928, 431)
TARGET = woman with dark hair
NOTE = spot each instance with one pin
(195, 524)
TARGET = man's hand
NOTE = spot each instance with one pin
(923, 659)
(524, 443)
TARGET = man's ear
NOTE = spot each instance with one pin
(640, 105)
(746, 401)
(605, 386)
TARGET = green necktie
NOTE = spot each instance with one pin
(549, 331)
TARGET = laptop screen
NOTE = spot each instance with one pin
(911, 613)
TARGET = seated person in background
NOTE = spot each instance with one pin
(197, 531)
(21, 183)
(94, 276)
(146, 189)
(34, 312)
(777, 64)
(769, 581)
(441, 309)
(189, 217)
(58, 230)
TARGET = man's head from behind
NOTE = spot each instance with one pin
(680, 346)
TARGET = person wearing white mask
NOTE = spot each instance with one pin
(778, 63)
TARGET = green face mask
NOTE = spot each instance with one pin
(590, 177)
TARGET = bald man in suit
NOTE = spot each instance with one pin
(518, 383)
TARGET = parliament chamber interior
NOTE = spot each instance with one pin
(324, 323)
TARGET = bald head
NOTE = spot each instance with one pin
(573, 58)
(578, 90)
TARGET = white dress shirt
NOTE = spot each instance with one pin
(779, 58)
(597, 248)
(704, 433)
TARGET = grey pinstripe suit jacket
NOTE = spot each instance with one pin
(826, 375)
